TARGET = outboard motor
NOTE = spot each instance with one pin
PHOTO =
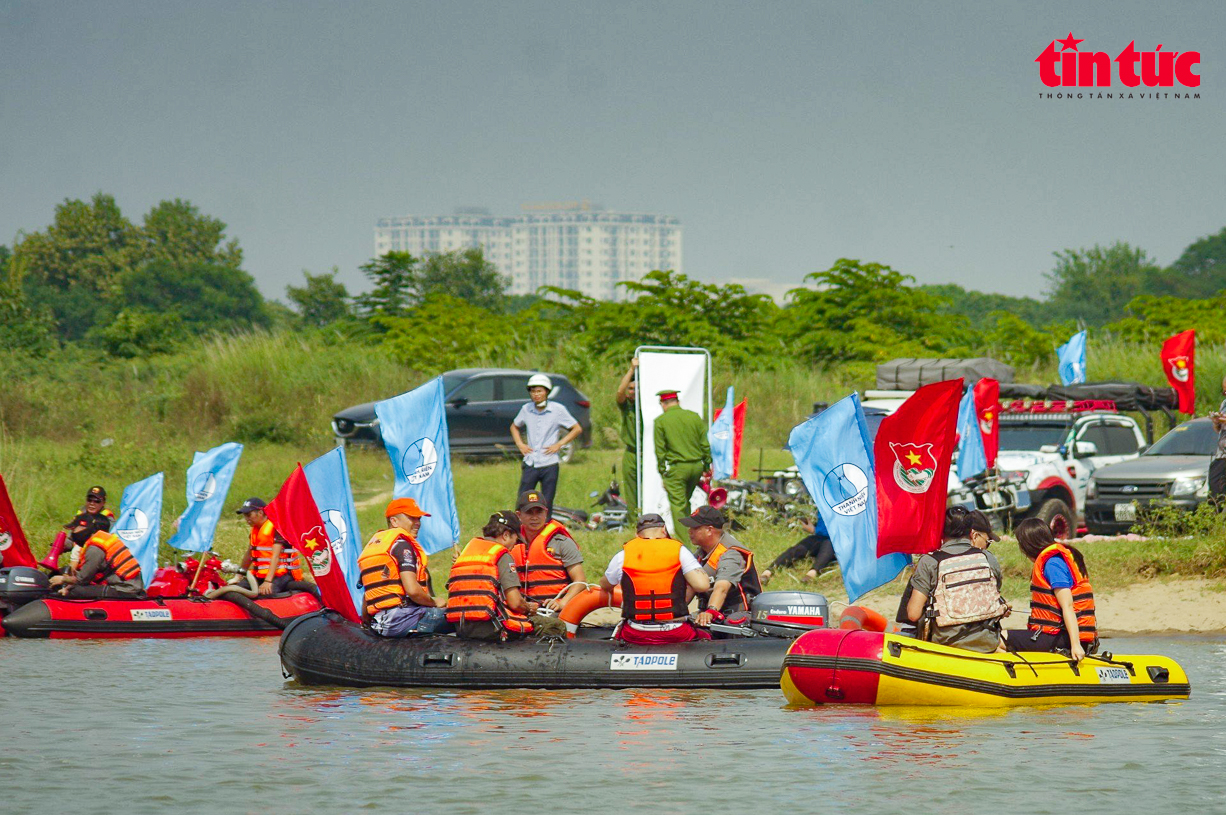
(20, 585)
(788, 613)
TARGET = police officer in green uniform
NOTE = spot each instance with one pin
(629, 436)
(683, 453)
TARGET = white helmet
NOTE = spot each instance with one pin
(540, 380)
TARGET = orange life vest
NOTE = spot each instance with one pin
(543, 575)
(749, 586)
(119, 559)
(263, 538)
(474, 592)
(1045, 614)
(380, 573)
(653, 588)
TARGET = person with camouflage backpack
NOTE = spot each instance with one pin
(954, 596)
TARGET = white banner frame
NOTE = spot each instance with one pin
(651, 495)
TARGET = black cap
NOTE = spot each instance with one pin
(980, 523)
(508, 519)
(251, 505)
(651, 520)
(705, 516)
(96, 492)
(531, 498)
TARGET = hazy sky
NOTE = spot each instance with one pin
(784, 135)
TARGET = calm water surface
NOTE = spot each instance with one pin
(211, 726)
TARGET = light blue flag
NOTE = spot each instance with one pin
(720, 437)
(834, 455)
(328, 477)
(139, 523)
(208, 483)
(1072, 356)
(972, 460)
(414, 428)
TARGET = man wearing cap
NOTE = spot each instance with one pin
(967, 536)
(683, 453)
(549, 427)
(273, 562)
(734, 579)
(484, 601)
(631, 427)
(398, 599)
(548, 558)
(93, 517)
(657, 576)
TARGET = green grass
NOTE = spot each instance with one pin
(72, 420)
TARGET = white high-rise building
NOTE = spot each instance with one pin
(572, 245)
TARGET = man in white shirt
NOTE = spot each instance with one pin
(549, 427)
(657, 576)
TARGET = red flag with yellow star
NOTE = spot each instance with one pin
(912, 454)
(14, 548)
(1179, 365)
(987, 405)
(296, 516)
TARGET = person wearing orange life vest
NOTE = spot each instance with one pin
(484, 601)
(1062, 613)
(548, 558)
(734, 579)
(657, 575)
(397, 596)
(93, 517)
(271, 559)
(107, 561)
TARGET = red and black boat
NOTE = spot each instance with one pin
(30, 609)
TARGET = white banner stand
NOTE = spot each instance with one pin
(687, 371)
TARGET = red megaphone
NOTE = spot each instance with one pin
(718, 497)
(52, 560)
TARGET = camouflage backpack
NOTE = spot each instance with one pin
(966, 591)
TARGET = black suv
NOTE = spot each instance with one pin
(481, 404)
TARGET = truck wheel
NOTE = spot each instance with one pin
(1058, 517)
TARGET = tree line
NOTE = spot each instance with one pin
(94, 278)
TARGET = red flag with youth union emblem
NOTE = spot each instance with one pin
(1179, 365)
(912, 455)
(987, 405)
(14, 548)
(296, 516)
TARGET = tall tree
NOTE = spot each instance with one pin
(176, 232)
(393, 276)
(322, 300)
(1095, 285)
(402, 281)
(204, 296)
(1201, 270)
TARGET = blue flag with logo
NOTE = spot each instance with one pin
(972, 460)
(1072, 357)
(328, 477)
(414, 428)
(208, 483)
(139, 522)
(719, 435)
(834, 455)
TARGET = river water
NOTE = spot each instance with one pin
(210, 726)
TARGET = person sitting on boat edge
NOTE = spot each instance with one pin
(547, 556)
(397, 599)
(106, 561)
(271, 559)
(93, 517)
(728, 564)
(962, 610)
(1062, 613)
(653, 571)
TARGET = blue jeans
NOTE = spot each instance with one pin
(401, 622)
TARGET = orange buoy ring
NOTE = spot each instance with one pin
(861, 618)
(584, 603)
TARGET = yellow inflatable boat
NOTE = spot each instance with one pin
(839, 666)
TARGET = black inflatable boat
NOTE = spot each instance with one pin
(326, 649)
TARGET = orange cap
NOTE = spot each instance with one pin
(405, 506)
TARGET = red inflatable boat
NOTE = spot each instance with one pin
(32, 612)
